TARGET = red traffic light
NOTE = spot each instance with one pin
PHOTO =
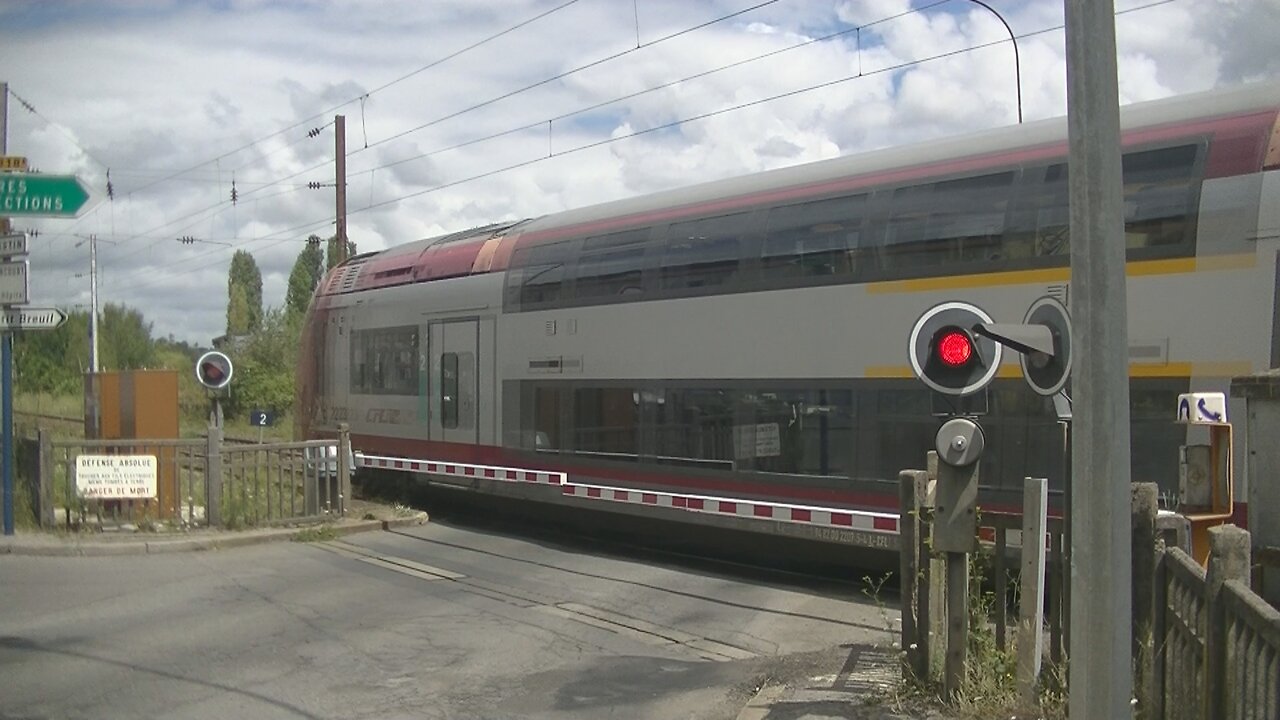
(947, 355)
(955, 348)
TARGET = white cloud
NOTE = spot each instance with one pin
(173, 96)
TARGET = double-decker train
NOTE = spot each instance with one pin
(734, 353)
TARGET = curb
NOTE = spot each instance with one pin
(53, 546)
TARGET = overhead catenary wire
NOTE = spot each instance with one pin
(384, 86)
(665, 38)
(322, 222)
(326, 221)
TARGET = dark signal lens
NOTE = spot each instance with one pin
(955, 348)
(213, 373)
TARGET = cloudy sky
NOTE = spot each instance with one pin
(465, 112)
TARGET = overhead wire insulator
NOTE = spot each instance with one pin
(313, 132)
(111, 191)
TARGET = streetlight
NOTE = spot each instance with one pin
(1017, 63)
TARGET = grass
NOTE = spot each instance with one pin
(322, 533)
(989, 686)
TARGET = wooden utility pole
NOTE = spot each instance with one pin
(340, 181)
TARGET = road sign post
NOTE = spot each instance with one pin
(38, 195)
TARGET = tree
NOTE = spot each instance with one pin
(53, 361)
(238, 315)
(125, 339)
(306, 275)
(244, 311)
(331, 252)
(264, 375)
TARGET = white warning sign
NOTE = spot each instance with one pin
(116, 477)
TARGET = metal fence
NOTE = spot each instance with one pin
(205, 482)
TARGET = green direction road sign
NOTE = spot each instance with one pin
(38, 195)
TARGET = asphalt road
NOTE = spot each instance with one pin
(433, 621)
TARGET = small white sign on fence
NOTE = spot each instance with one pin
(116, 477)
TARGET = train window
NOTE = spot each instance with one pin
(798, 432)
(538, 273)
(703, 253)
(606, 422)
(1160, 192)
(449, 401)
(813, 239)
(611, 265)
(968, 216)
(384, 361)
(1039, 225)
(948, 222)
(696, 428)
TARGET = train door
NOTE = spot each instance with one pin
(454, 386)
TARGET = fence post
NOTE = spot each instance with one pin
(344, 467)
(1035, 511)
(1144, 506)
(1159, 634)
(213, 476)
(1228, 560)
(937, 574)
(44, 480)
(913, 644)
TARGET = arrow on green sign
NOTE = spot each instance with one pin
(38, 195)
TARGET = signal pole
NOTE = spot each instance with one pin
(340, 182)
(1100, 672)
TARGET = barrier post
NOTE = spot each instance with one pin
(913, 632)
(1035, 510)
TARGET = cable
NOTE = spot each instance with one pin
(339, 106)
(893, 68)
(472, 108)
(566, 74)
(655, 88)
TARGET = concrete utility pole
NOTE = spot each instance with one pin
(1101, 671)
(93, 303)
(6, 358)
(340, 182)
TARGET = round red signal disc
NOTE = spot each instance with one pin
(955, 348)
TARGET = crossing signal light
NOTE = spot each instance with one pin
(214, 370)
(947, 355)
(954, 347)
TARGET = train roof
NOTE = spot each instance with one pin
(477, 249)
(1047, 134)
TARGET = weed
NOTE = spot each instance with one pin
(320, 533)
